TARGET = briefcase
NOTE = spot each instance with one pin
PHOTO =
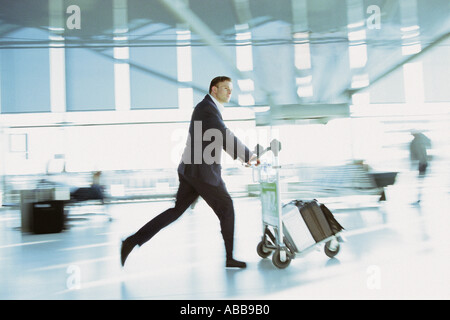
(335, 226)
(315, 219)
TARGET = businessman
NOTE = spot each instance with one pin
(199, 171)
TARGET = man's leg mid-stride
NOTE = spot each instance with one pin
(217, 197)
(186, 195)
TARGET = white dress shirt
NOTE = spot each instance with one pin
(218, 104)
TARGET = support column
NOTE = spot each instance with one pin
(57, 56)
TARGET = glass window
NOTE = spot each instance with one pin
(25, 75)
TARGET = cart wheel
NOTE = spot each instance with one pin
(276, 259)
(332, 250)
(263, 252)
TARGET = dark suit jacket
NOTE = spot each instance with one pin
(208, 135)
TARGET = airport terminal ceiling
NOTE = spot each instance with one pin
(303, 51)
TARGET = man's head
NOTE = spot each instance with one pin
(221, 88)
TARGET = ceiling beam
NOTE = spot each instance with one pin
(182, 12)
(433, 44)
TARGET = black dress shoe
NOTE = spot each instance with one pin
(127, 247)
(231, 263)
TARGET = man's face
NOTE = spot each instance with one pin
(222, 92)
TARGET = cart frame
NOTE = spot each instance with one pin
(273, 239)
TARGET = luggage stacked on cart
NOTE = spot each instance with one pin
(306, 223)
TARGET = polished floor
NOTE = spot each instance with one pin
(394, 250)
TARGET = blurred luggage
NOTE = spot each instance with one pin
(384, 179)
(87, 193)
(48, 216)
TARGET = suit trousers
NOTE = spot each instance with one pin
(217, 197)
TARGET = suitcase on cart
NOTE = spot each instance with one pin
(319, 219)
(295, 229)
(306, 223)
(315, 220)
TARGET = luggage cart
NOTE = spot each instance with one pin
(274, 240)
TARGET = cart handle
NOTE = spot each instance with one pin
(275, 147)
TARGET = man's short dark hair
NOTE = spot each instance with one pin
(216, 80)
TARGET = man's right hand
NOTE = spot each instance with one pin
(253, 160)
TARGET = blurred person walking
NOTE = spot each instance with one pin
(419, 156)
(199, 171)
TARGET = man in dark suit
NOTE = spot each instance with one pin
(199, 171)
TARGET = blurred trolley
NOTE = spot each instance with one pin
(293, 229)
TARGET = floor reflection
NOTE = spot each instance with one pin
(403, 244)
